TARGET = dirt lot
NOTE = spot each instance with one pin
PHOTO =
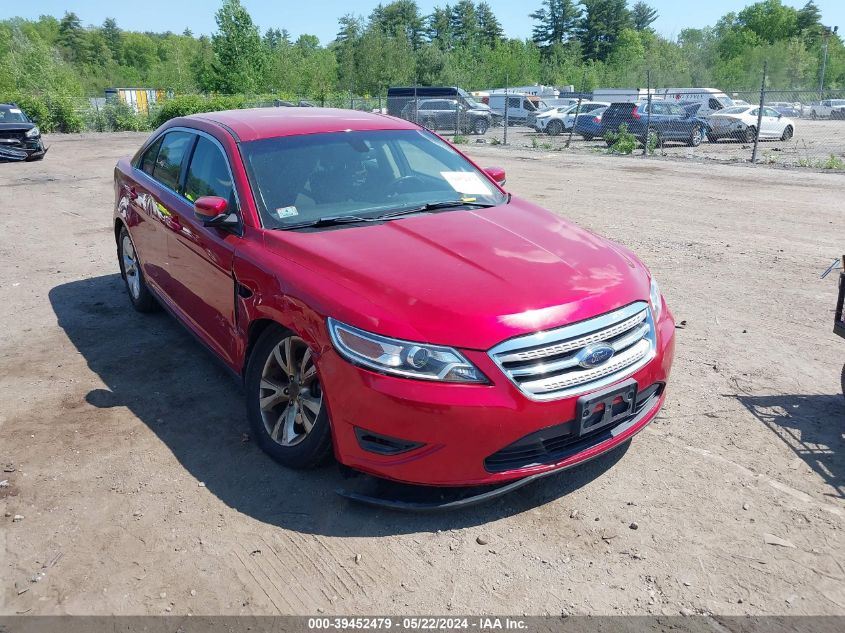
(124, 450)
(812, 146)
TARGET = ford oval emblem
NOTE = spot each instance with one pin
(594, 355)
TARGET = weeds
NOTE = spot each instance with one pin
(621, 141)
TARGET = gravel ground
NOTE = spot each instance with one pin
(130, 489)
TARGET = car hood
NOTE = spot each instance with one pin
(16, 126)
(467, 278)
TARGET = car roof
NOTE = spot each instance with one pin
(259, 123)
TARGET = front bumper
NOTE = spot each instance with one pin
(456, 428)
(21, 148)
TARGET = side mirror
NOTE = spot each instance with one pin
(497, 174)
(212, 212)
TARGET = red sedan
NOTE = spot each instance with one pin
(385, 300)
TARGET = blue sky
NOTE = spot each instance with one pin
(319, 17)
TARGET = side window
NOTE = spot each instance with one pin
(208, 174)
(513, 102)
(148, 160)
(754, 112)
(676, 110)
(168, 164)
(714, 105)
(770, 112)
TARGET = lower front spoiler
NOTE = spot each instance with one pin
(415, 498)
(20, 154)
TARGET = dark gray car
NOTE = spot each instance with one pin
(447, 114)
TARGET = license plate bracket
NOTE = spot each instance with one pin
(598, 410)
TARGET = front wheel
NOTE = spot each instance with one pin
(554, 128)
(130, 269)
(480, 126)
(787, 133)
(285, 403)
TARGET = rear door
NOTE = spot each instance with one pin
(150, 198)
(202, 257)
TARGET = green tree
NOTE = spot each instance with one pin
(769, 20)
(464, 23)
(439, 27)
(490, 30)
(557, 22)
(114, 38)
(72, 37)
(399, 18)
(238, 53)
(601, 25)
(643, 16)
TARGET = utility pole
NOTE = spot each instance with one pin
(828, 31)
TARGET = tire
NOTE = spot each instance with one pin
(554, 128)
(130, 270)
(695, 136)
(480, 126)
(750, 134)
(813, 115)
(787, 133)
(843, 380)
(429, 123)
(282, 391)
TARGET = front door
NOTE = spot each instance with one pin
(200, 257)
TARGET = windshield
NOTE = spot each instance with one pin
(726, 101)
(837, 102)
(9, 114)
(310, 177)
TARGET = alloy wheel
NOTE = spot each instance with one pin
(130, 267)
(290, 397)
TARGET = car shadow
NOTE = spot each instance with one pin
(153, 367)
(812, 426)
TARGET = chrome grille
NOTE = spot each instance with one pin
(545, 365)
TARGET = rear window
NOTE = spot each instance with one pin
(148, 160)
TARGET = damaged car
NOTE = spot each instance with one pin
(20, 138)
(384, 300)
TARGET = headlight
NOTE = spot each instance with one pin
(402, 358)
(33, 132)
(655, 299)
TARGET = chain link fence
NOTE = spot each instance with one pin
(794, 128)
(791, 128)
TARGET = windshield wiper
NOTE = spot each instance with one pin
(341, 219)
(433, 206)
(355, 219)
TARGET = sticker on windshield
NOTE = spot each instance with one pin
(15, 110)
(466, 182)
(286, 212)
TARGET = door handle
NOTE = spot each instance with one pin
(172, 222)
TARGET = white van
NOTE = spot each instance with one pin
(711, 99)
(519, 106)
